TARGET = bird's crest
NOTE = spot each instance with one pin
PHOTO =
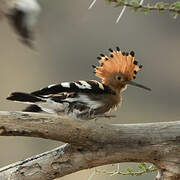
(117, 63)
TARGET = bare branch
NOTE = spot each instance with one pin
(92, 144)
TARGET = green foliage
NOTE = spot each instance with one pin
(145, 10)
(121, 2)
(141, 169)
(173, 9)
(135, 3)
(175, 6)
(161, 5)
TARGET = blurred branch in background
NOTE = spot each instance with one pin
(23, 14)
(91, 144)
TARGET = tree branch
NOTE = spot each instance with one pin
(160, 6)
(92, 144)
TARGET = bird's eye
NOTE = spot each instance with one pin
(118, 77)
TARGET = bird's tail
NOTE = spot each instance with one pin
(32, 108)
(24, 98)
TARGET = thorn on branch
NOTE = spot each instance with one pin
(92, 4)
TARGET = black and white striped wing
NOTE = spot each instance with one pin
(92, 87)
(74, 97)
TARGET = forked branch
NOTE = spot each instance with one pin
(92, 144)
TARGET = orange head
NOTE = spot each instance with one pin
(118, 70)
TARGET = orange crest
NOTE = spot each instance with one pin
(118, 63)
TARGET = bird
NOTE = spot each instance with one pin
(89, 99)
(22, 15)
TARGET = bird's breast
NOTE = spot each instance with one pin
(106, 102)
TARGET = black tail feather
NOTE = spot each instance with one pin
(32, 108)
(24, 97)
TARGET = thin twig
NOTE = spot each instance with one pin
(150, 8)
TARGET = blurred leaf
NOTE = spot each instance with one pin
(174, 15)
(160, 5)
(175, 5)
(145, 10)
(129, 170)
(120, 3)
(135, 2)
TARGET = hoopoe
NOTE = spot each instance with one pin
(87, 99)
(22, 15)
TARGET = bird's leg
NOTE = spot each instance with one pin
(93, 115)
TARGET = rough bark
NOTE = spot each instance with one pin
(92, 144)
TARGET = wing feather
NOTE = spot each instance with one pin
(91, 86)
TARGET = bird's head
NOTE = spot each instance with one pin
(118, 70)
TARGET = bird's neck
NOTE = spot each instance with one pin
(117, 90)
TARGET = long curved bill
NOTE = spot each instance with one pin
(138, 85)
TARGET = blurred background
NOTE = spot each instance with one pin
(69, 38)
